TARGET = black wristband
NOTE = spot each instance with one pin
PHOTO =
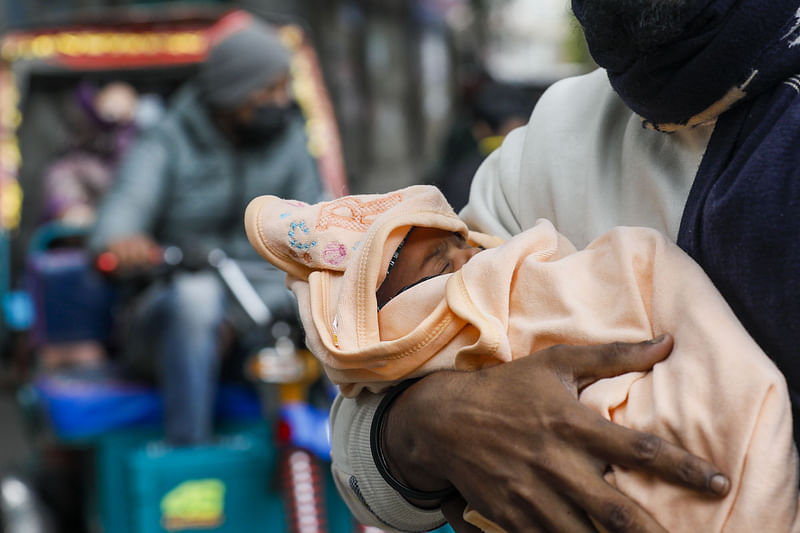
(375, 441)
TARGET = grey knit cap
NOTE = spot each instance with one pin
(244, 61)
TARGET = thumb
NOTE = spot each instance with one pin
(591, 363)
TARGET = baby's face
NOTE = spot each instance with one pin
(427, 252)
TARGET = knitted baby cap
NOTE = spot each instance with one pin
(299, 238)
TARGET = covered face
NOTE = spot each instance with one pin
(424, 253)
(264, 114)
(683, 63)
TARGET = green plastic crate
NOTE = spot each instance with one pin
(228, 487)
(136, 473)
(145, 486)
(222, 488)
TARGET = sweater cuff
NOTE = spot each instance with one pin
(367, 494)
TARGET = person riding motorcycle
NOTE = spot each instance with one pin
(231, 133)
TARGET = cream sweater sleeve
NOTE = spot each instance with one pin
(370, 499)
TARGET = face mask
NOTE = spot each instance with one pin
(268, 122)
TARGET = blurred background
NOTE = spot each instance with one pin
(399, 72)
(404, 92)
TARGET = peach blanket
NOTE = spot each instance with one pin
(717, 395)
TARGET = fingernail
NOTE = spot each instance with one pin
(657, 340)
(719, 484)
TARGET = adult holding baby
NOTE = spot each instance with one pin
(724, 183)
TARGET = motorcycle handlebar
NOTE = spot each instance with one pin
(171, 258)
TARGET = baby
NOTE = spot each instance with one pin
(395, 286)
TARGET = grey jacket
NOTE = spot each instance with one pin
(184, 183)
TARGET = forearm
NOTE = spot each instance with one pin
(409, 440)
(136, 196)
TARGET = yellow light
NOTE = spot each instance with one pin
(291, 36)
(10, 202)
(152, 43)
(9, 50)
(314, 148)
(185, 43)
(119, 43)
(138, 45)
(103, 43)
(68, 44)
(304, 90)
(7, 112)
(43, 46)
(10, 154)
(25, 48)
(301, 64)
(312, 126)
(93, 44)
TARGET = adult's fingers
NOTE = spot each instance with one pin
(453, 510)
(613, 510)
(517, 521)
(541, 504)
(588, 364)
(555, 513)
(649, 453)
(135, 251)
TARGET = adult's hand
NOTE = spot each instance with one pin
(520, 448)
(134, 252)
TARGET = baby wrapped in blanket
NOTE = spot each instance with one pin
(446, 303)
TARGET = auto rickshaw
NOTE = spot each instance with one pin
(139, 484)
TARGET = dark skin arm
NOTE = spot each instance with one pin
(519, 429)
